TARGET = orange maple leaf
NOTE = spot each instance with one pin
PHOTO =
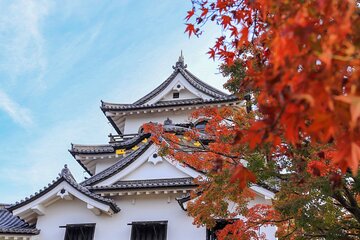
(204, 12)
(211, 52)
(355, 157)
(190, 14)
(243, 175)
(190, 29)
(226, 20)
(354, 102)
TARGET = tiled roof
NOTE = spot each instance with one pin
(157, 90)
(150, 183)
(185, 102)
(180, 67)
(77, 149)
(66, 175)
(202, 86)
(216, 95)
(91, 149)
(107, 148)
(129, 143)
(117, 167)
(12, 224)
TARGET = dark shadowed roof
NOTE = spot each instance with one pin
(11, 224)
(91, 149)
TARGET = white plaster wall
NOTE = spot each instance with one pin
(133, 208)
(134, 122)
(104, 163)
(270, 230)
(179, 79)
(148, 171)
(184, 94)
(18, 237)
(161, 170)
(145, 208)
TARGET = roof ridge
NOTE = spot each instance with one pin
(105, 103)
(154, 179)
(123, 143)
(149, 183)
(158, 89)
(94, 145)
(204, 84)
(119, 165)
(65, 175)
(171, 103)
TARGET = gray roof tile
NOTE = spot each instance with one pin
(106, 148)
(117, 167)
(12, 224)
(149, 183)
(179, 68)
(66, 175)
(127, 144)
(127, 107)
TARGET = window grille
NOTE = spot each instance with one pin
(176, 95)
(211, 233)
(79, 231)
(149, 230)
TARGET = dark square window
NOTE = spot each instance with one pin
(211, 233)
(149, 230)
(79, 232)
(176, 95)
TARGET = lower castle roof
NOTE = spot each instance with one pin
(149, 183)
(66, 176)
(10, 224)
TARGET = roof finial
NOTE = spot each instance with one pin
(65, 172)
(180, 63)
(167, 121)
(181, 58)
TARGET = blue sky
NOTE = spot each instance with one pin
(58, 59)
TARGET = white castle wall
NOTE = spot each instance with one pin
(134, 122)
(161, 170)
(104, 164)
(138, 208)
(145, 208)
(161, 207)
(183, 94)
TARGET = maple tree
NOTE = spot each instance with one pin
(299, 64)
(302, 58)
(313, 198)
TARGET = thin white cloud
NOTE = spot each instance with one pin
(22, 53)
(15, 111)
(21, 39)
(43, 158)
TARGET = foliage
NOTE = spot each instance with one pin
(313, 200)
(302, 58)
(299, 61)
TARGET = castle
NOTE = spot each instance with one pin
(132, 192)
